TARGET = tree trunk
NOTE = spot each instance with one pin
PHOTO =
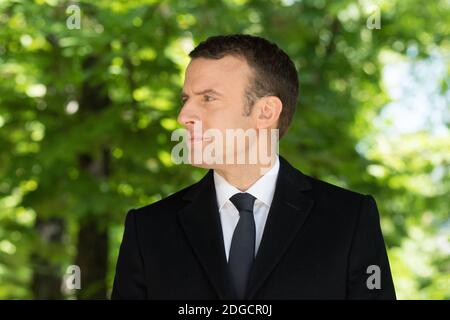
(92, 258)
(46, 281)
(92, 246)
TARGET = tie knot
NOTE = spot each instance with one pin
(243, 201)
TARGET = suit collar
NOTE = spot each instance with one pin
(294, 177)
(201, 223)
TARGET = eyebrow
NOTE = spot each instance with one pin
(184, 95)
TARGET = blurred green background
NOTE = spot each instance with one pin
(86, 115)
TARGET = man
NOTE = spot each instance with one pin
(250, 230)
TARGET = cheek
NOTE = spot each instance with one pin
(218, 117)
(226, 115)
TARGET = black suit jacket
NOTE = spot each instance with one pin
(318, 241)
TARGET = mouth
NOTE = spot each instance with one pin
(199, 139)
(195, 140)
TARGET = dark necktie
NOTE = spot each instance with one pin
(242, 250)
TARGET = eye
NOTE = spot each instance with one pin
(183, 100)
(207, 98)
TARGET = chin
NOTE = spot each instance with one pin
(204, 165)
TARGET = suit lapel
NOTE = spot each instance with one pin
(289, 210)
(201, 223)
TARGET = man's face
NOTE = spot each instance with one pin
(213, 93)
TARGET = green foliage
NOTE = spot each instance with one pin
(69, 99)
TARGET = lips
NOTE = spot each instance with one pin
(196, 139)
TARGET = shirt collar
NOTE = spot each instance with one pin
(263, 189)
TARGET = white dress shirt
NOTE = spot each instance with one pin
(263, 190)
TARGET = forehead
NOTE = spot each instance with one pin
(226, 73)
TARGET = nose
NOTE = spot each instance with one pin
(188, 115)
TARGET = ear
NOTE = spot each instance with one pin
(268, 110)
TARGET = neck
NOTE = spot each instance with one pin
(245, 175)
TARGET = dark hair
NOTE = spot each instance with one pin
(274, 72)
